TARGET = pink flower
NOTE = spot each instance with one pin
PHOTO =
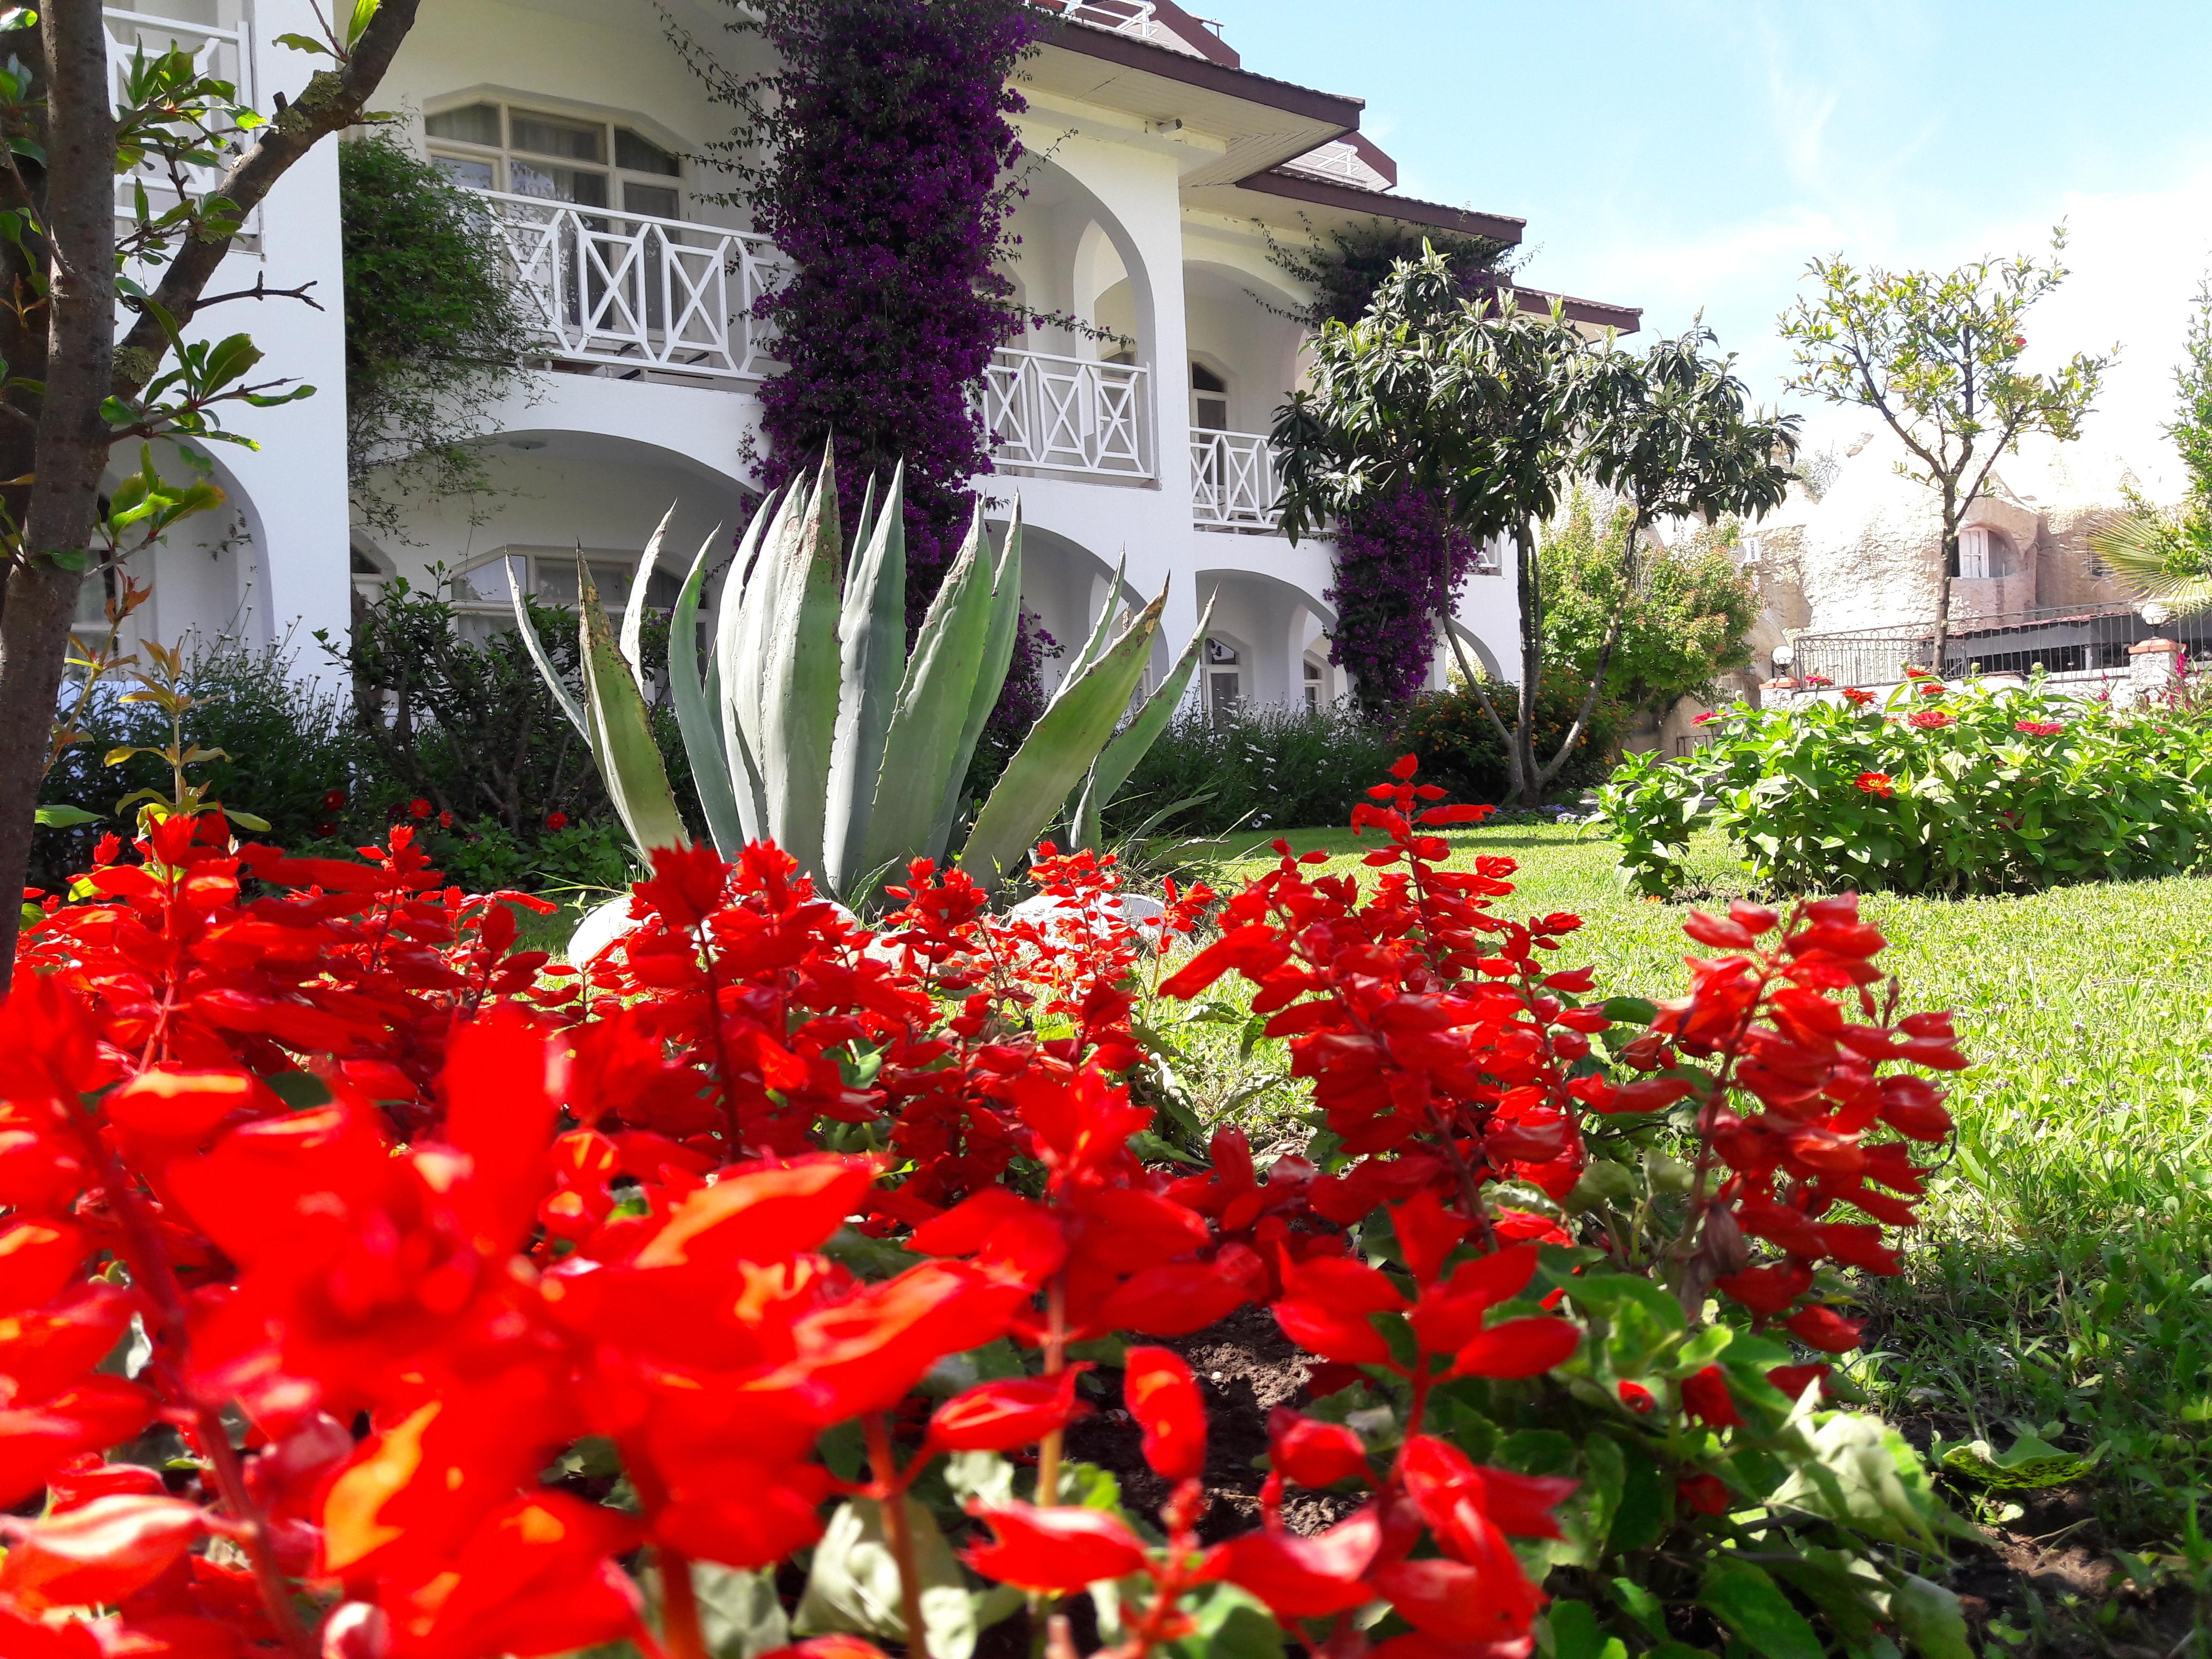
(1702, 718)
(1932, 719)
(1818, 679)
(2038, 728)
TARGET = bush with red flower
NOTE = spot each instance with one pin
(1980, 788)
(380, 1288)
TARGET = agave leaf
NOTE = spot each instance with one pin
(733, 698)
(694, 712)
(873, 626)
(933, 707)
(621, 733)
(536, 646)
(1101, 632)
(990, 680)
(1057, 752)
(633, 628)
(799, 694)
(743, 672)
(1119, 756)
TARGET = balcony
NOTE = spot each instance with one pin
(220, 50)
(1047, 413)
(1138, 18)
(635, 294)
(1233, 483)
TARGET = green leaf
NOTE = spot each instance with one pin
(934, 693)
(246, 821)
(1640, 1604)
(873, 642)
(990, 677)
(1589, 1514)
(620, 731)
(1057, 752)
(65, 817)
(1932, 1618)
(304, 43)
(695, 711)
(739, 1613)
(1129, 746)
(1641, 1515)
(536, 646)
(364, 14)
(1575, 1635)
(1232, 1624)
(2030, 1463)
(632, 638)
(1756, 1612)
(800, 675)
(735, 680)
(301, 1090)
(853, 1587)
(980, 1477)
(1859, 1471)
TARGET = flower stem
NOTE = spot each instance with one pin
(890, 1499)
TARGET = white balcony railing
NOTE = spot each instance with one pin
(224, 52)
(1139, 18)
(1054, 413)
(1233, 484)
(634, 291)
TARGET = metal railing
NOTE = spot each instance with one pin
(2057, 639)
(1233, 483)
(1054, 413)
(629, 291)
(223, 53)
(1138, 18)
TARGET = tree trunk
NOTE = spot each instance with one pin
(1526, 779)
(1943, 596)
(71, 434)
(1613, 632)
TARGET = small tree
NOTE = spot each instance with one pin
(68, 262)
(1491, 410)
(1936, 356)
(2165, 554)
(1688, 613)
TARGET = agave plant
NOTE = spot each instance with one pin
(812, 726)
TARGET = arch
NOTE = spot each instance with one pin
(1082, 231)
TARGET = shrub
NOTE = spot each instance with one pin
(1939, 789)
(1461, 748)
(507, 1290)
(1262, 769)
(286, 747)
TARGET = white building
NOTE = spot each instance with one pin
(1155, 160)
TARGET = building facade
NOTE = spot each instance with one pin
(1159, 168)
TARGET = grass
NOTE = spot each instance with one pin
(2062, 1279)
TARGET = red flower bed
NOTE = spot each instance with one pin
(340, 1231)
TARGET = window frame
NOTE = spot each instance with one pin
(501, 157)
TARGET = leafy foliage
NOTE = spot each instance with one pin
(437, 333)
(1261, 769)
(569, 1251)
(1939, 789)
(1686, 610)
(1346, 267)
(1399, 566)
(2167, 555)
(1460, 749)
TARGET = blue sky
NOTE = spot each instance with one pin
(1683, 154)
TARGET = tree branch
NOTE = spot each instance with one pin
(261, 290)
(332, 100)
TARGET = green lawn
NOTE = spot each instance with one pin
(2063, 1278)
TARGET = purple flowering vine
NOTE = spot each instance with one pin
(1394, 558)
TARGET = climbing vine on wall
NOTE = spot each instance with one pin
(878, 155)
(1395, 558)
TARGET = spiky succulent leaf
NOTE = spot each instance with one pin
(932, 707)
(695, 711)
(1057, 752)
(990, 677)
(1119, 756)
(873, 626)
(800, 666)
(735, 683)
(536, 646)
(640, 583)
(1101, 631)
(621, 732)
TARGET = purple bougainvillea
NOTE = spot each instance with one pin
(886, 183)
(1393, 559)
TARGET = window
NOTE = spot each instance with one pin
(559, 158)
(1982, 554)
(1224, 680)
(1315, 679)
(1209, 399)
(484, 609)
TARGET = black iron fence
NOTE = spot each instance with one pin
(2059, 640)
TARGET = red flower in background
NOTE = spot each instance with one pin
(1856, 698)
(418, 808)
(1931, 719)
(556, 820)
(1876, 783)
